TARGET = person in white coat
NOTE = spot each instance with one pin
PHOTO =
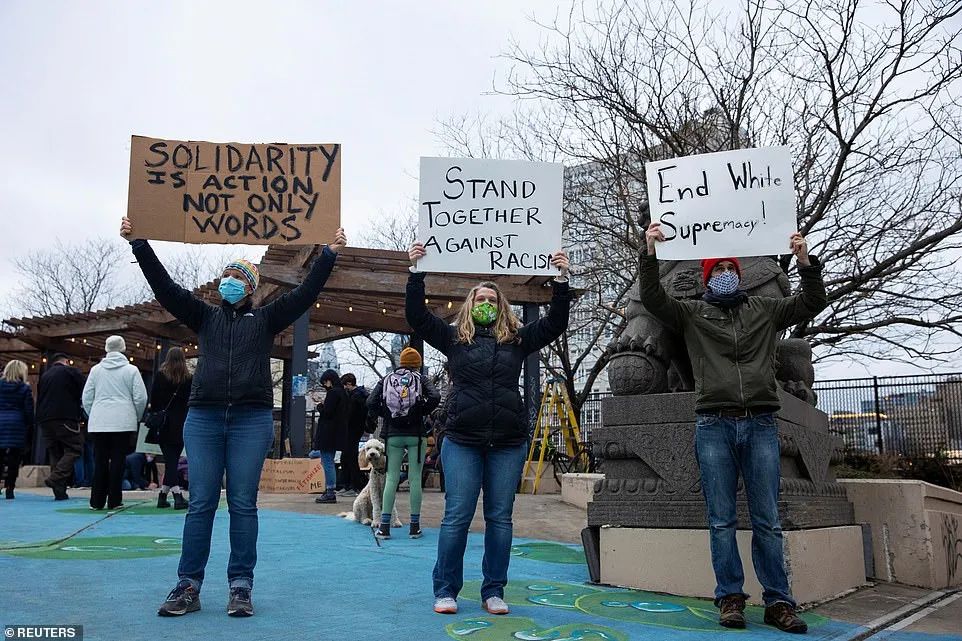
(114, 398)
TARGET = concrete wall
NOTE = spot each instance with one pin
(916, 530)
(578, 489)
(821, 563)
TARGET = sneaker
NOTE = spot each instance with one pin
(240, 604)
(162, 501)
(119, 506)
(495, 605)
(327, 497)
(182, 600)
(59, 491)
(782, 616)
(180, 503)
(732, 611)
(415, 531)
(446, 605)
(348, 493)
(383, 531)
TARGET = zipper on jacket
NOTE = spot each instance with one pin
(741, 383)
(230, 354)
(494, 362)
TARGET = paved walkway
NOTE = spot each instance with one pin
(321, 577)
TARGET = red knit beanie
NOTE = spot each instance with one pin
(708, 265)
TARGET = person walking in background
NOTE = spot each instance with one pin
(169, 393)
(486, 433)
(402, 399)
(59, 414)
(16, 417)
(731, 335)
(356, 427)
(230, 425)
(115, 399)
(331, 432)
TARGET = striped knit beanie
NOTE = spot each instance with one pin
(248, 270)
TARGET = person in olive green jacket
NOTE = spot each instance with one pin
(731, 340)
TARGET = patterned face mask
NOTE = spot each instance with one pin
(724, 284)
(484, 313)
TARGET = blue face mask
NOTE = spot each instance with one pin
(724, 284)
(232, 289)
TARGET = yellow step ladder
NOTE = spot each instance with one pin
(555, 416)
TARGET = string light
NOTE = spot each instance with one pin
(317, 305)
(131, 360)
(340, 329)
(138, 344)
(427, 301)
(383, 311)
(71, 362)
(450, 304)
(158, 348)
(44, 360)
(350, 308)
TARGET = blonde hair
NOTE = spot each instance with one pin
(15, 372)
(505, 327)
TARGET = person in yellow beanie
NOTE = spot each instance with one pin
(403, 398)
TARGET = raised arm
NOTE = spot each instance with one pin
(292, 305)
(432, 329)
(542, 332)
(185, 307)
(812, 299)
(653, 296)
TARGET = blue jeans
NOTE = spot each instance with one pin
(218, 440)
(83, 467)
(726, 447)
(330, 471)
(468, 470)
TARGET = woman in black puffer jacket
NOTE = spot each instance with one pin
(486, 433)
(229, 427)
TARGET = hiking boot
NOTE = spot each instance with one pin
(182, 600)
(180, 503)
(240, 604)
(162, 501)
(782, 616)
(9, 493)
(446, 605)
(59, 491)
(415, 531)
(495, 605)
(383, 531)
(732, 611)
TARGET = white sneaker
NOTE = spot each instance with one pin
(446, 605)
(495, 605)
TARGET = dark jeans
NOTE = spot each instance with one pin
(110, 459)
(469, 470)
(172, 453)
(727, 447)
(64, 444)
(236, 441)
(11, 457)
(134, 465)
(354, 479)
(83, 468)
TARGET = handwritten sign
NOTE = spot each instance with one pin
(292, 476)
(490, 216)
(204, 192)
(730, 203)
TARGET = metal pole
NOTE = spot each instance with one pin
(298, 404)
(880, 442)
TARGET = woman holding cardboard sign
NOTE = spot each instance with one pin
(229, 426)
(487, 429)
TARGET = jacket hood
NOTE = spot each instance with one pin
(114, 360)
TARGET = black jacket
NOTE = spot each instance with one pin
(331, 432)
(413, 423)
(485, 406)
(16, 414)
(235, 344)
(357, 421)
(164, 394)
(59, 394)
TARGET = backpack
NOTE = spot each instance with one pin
(402, 390)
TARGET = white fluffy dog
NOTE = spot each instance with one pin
(367, 505)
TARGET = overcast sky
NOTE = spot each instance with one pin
(80, 77)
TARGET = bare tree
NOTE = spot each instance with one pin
(865, 95)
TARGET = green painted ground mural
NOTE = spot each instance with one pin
(508, 628)
(630, 606)
(97, 548)
(549, 553)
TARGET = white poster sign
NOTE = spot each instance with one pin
(730, 203)
(490, 216)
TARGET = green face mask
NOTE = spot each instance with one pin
(484, 313)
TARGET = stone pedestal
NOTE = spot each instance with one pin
(578, 489)
(647, 447)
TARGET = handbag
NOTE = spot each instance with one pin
(156, 421)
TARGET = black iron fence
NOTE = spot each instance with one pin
(911, 416)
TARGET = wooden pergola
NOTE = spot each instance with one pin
(365, 293)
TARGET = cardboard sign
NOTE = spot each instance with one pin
(730, 203)
(204, 192)
(292, 476)
(490, 216)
